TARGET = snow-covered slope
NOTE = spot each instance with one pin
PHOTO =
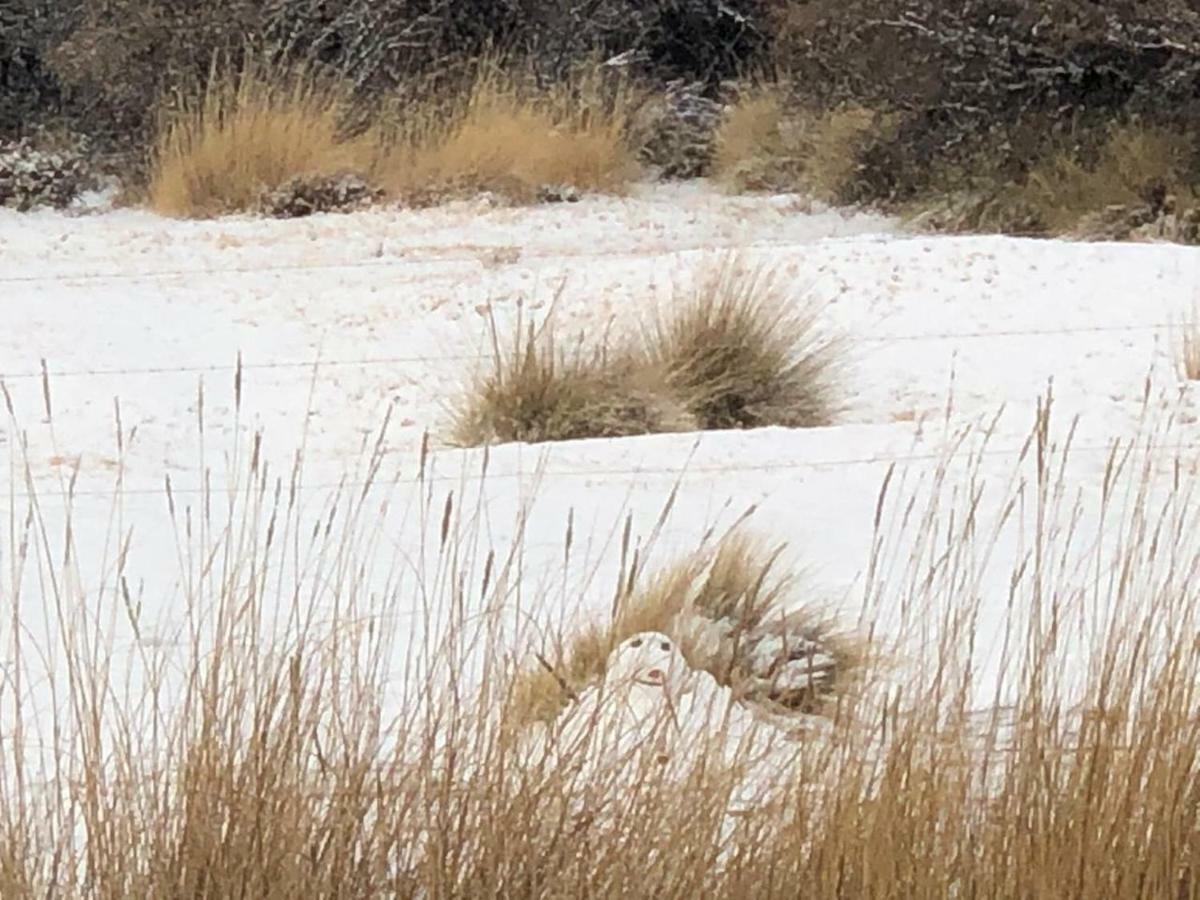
(337, 319)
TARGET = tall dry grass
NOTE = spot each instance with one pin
(280, 746)
(1124, 181)
(764, 143)
(742, 352)
(503, 134)
(1133, 164)
(539, 387)
(1187, 345)
(253, 131)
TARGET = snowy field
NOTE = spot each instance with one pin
(338, 320)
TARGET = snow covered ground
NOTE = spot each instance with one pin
(336, 319)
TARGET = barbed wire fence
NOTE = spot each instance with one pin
(47, 372)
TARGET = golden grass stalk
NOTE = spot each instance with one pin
(1134, 163)
(276, 751)
(1187, 345)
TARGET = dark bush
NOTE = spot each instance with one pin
(32, 177)
(676, 130)
(104, 67)
(306, 195)
(990, 80)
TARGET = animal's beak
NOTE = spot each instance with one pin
(653, 676)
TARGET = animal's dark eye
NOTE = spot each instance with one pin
(666, 645)
(636, 642)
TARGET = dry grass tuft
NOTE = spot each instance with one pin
(1136, 181)
(513, 140)
(1134, 166)
(741, 354)
(538, 390)
(740, 580)
(762, 145)
(1187, 345)
(735, 353)
(249, 133)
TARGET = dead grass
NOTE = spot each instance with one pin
(733, 351)
(1187, 345)
(1136, 177)
(741, 353)
(763, 145)
(1133, 165)
(539, 389)
(256, 131)
(739, 579)
(512, 140)
(248, 133)
(274, 750)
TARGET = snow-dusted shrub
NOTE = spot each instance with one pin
(31, 177)
(305, 195)
(739, 352)
(675, 130)
(985, 83)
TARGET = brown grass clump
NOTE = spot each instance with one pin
(249, 133)
(762, 145)
(738, 580)
(513, 140)
(1134, 181)
(733, 354)
(1135, 166)
(538, 390)
(741, 355)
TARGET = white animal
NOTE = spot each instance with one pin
(774, 662)
(646, 678)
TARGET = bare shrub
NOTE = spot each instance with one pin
(32, 176)
(979, 86)
(742, 354)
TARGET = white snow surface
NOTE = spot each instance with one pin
(337, 319)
